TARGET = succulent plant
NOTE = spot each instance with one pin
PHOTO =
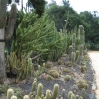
(63, 93)
(55, 91)
(66, 70)
(26, 97)
(54, 73)
(73, 96)
(48, 77)
(48, 96)
(49, 64)
(81, 83)
(14, 97)
(34, 85)
(10, 93)
(59, 62)
(69, 94)
(77, 96)
(67, 78)
(80, 97)
(39, 90)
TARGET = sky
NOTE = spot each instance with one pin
(82, 5)
(78, 5)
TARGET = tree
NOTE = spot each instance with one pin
(59, 15)
(5, 35)
(39, 6)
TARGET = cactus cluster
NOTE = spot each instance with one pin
(37, 93)
(76, 50)
(22, 67)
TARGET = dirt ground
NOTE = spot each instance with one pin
(26, 85)
(94, 56)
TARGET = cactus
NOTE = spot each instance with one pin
(73, 38)
(81, 48)
(73, 56)
(67, 78)
(73, 96)
(26, 97)
(30, 67)
(80, 97)
(3, 4)
(83, 92)
(77, 96)
(34, 84)
(82, 69)
(55, 91)
(39, 90)
(69, 94)
(5, 34)
(48, 94)
(10, 93)
(63, 93)
(14, 97)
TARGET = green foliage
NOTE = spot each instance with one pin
(39, 6)
(4, 88)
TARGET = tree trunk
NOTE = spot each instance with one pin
(2, 57)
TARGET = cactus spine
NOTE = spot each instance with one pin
(10, 93)
(55, 91)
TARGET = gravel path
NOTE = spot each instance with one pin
(94, 56)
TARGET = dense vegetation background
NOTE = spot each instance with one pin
(90, 21)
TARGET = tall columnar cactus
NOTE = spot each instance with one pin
(73, 56)
(55, 91)
(14, 97)
(39, 90)
(73, 41)
(5, 35)
(82, 37)
(10, 93)
(30, 68)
